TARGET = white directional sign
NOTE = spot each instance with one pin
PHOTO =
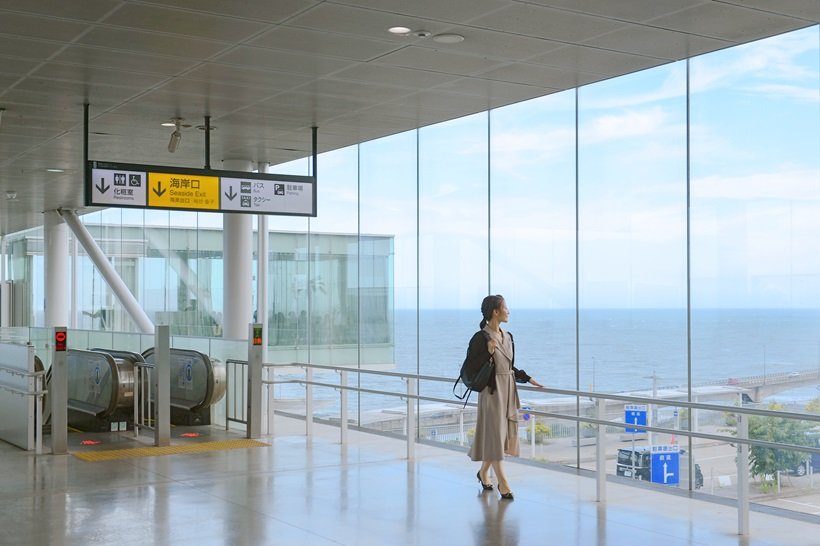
(151, 186)
(265, 196)
(118, 187)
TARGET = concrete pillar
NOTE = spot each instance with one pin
(237, 256)
(55, 233)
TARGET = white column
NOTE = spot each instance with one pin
(5, 307)
(237, 259)
(56, 269)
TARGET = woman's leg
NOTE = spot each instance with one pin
(503, 486)
(485, 465)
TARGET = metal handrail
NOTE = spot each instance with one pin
(39, 393)
(573, 394)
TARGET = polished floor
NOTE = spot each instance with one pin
(300, 491)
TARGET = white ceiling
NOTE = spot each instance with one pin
(268, 70)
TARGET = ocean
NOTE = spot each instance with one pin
(620, 350)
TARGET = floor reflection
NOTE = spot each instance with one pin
(494, 530)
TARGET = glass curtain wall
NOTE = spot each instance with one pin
(453, 186)
(755, 273)
(698, 198)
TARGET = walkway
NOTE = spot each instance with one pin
(316, 492)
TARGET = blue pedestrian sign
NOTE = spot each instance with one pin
(665, 464)
(634, 414)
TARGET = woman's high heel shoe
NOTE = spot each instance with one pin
(486, 486)
(507, 496)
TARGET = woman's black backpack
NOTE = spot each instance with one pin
(474, 374)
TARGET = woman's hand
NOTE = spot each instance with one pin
(535, 383)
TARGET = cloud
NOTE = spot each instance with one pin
(788, 184)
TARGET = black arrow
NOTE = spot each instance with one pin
(230, 195)
(102, 187)
(158, 190)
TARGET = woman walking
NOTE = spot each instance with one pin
(496, 431)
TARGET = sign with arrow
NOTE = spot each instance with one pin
(149, 186)
(119, 187)
(634, 414)
(266, 196)
(188, 191)
(665, 464)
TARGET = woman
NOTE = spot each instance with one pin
(496, 432)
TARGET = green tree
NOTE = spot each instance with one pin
(765, 461)
(813, 406)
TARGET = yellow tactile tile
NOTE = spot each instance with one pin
(114, 454)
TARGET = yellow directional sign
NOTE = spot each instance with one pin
(174, 188)
(184, 191)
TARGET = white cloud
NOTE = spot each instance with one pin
(790, 183)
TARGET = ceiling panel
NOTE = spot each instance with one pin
(451, 10)
(266, 59)
(491, 43)
(152, 43)
(637, 11)
(726, 22)
(322, 43)
(147, 64)
(547, 23)
(266, 71)
(11, 46)
(246, 77)
(184, 22)
(423, 58)
(407, 77)
(87, 10)
(541, 76)
(655, 42)
(595, 60)
(29, 26)
(361, 22)
(268, 11)
(804, 9)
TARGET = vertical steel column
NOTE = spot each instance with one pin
(343, 412)
(600, 453)
(271, 375)
(58, 392)
(254, 398)
(162, 386)
(742, 475)
(308, 401)
(411, 418)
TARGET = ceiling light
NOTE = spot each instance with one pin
(171, 123)
(448, 38)
(54, 170)
(202, 128)
(401, 31)
(176, 136)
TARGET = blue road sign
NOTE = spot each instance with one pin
(665, 464)
(634, 414)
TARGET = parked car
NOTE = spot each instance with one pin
(637, 465)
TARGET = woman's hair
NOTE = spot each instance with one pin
(490, 304)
